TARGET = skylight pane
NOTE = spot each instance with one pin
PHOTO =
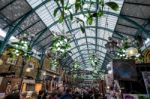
(91, 46)
(35, 3)
(79, 35)
(90, 33)
(74, 50)
(83, 47)
(91, 40)
(85, 52)
(82, 41)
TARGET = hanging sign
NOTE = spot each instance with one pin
(124, 70)
(135, 96)
(146, 78)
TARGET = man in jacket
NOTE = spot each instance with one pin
(67, 94)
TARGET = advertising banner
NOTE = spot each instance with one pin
(129, 96)
(146, 78)
(141, 96)
(124, 70)
(135, 96)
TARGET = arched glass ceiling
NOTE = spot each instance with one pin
(36, 18)
(107, 21)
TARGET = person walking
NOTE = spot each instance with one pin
(67, 94)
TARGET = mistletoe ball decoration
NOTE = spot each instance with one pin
(60, 44)
(21, 47)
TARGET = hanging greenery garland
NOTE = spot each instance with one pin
(20, 48)
(60, 45)
(98, 74)
(53, 63)
(67, 7)
(121, 50)
(59, 48)
(76, 66)
(94, 60)
(129, 49)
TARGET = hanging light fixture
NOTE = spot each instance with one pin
(76, 65)
(43, 73)
(94, 60)
(28, 70)
(1, 61)
(131, 52)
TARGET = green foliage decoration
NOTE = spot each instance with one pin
(75, 66)
(20, 48)
(98, 73)
(60, 44)
(65, 8)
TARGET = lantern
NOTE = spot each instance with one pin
(38, 87)
(1, 62)
(28, 69)
(44, 73)
(131, 52)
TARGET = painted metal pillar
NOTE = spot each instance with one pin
(22, 67)
(41, 65)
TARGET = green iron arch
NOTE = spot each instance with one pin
(64, 61)
(85, 55)
(101, 64)
(89, 37)
(11, 31)
(77, 39)
(88, 44)
(86, 49)
(98, 27)
(69, 62)
(109, 13)
(87, 63)
(48, 44)
(54, 23)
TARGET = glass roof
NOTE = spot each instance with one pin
(82, 44)
(35, 17)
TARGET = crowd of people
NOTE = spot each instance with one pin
(69, 93)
